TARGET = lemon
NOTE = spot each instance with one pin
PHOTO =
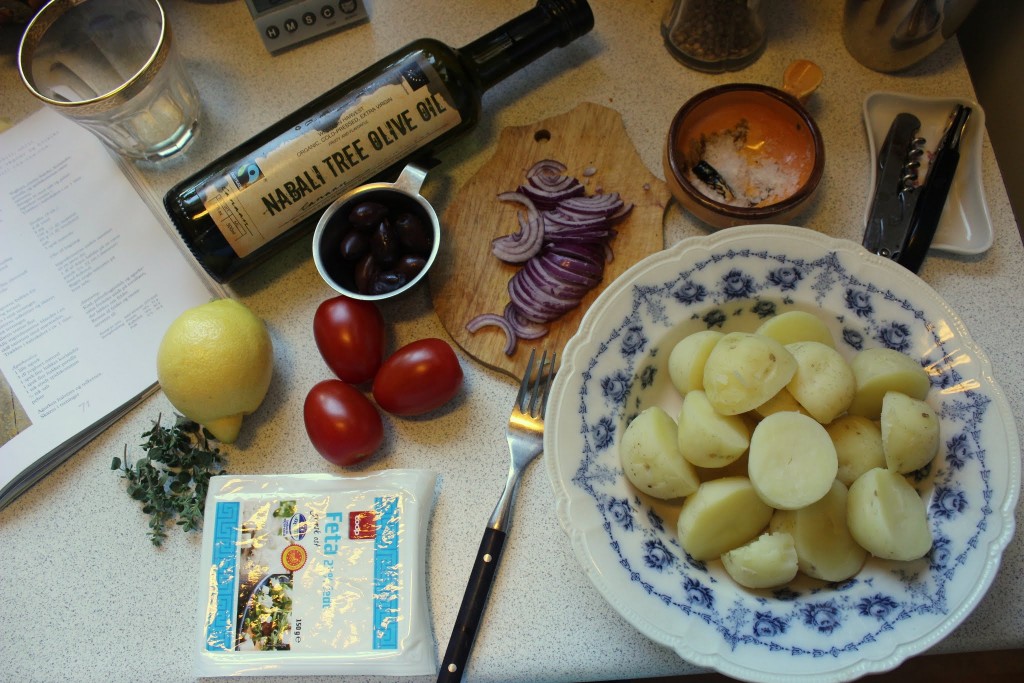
(214, 365)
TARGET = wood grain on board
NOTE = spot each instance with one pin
(467, 279)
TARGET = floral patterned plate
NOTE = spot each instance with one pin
(626, 542)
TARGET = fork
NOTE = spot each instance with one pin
(525, 436)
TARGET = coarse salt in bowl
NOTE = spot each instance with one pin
(743, 153)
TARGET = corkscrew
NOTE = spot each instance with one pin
(896, 189)
(908, 181)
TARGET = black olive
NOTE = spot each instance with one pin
(365, 274)
(384, 243)
(354, 245)
(388, 281)
(410, 265)
(413, 233)
(367, 215)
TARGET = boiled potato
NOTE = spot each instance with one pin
(824, 546)
(687, 358)
(878, 371)
(887, 517)
(768, 561)
(650, 459)
(706, 438)
(723, 514)
(858, 443)
(910, 432)
(783, 522)
(796, 326)
(792, 461)
(737, 468)
(744, 370)
(779, 403)
(823, 382)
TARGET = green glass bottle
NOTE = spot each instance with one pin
(251, 202)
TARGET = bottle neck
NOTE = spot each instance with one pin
(510, 47)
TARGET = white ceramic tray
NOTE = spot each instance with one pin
(965, 226)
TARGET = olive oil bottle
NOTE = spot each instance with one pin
(252, 201)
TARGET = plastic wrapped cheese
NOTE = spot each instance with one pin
(313, 574)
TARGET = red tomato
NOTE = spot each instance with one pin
(418, 378)
(350, 335)
(342, 423)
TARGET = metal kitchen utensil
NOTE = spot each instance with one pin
(895, 189)
(932, 199)
(904, 215)
(525, 435)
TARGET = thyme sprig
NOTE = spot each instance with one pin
(172, 479)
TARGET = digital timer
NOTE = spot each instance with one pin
(283, 23)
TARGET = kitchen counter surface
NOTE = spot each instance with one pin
(88, 598)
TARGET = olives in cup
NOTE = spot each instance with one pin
(377, 244)
(378, 240)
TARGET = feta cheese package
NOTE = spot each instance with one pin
(311, 574)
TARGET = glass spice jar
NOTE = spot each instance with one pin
(714, 35)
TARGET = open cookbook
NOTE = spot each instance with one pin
(90, 278)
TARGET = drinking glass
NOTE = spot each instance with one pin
(111, 66)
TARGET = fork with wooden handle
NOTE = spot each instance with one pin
(525, 435)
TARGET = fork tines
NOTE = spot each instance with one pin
(541, 384)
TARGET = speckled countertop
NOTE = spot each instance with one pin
(87, 598)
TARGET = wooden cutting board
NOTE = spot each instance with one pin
(467, 279)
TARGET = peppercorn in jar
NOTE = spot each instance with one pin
(714, 35)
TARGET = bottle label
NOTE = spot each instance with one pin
(333, 151)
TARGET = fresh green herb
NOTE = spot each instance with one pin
(172, 479)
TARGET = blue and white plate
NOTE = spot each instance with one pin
(810, 630)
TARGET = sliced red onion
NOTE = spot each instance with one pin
(590, 253)
(535, 303)
(547, 185)
(519, 247)
(604, 204)
(524, 329)
(546, 167)
(621, 213)
(547, 279)
(495, 320)
(563, 246)
(564, 269)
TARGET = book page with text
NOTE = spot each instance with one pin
(89, 282)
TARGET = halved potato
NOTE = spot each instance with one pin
(823, 382)
(650, 459)
(744, 370)
(706, 438)
(781, 402)
(910, 432)
(769, 560)
(792, 461)
(824, 546)
(796, 326)
(858, 443)
(878, 371)
(887, 517)
(723, 514)
(687, 358)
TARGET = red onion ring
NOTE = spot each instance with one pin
(495, 320)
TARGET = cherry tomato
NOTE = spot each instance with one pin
(342, 423)
(418, 378)
(350, 335)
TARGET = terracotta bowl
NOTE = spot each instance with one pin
(763, 141)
